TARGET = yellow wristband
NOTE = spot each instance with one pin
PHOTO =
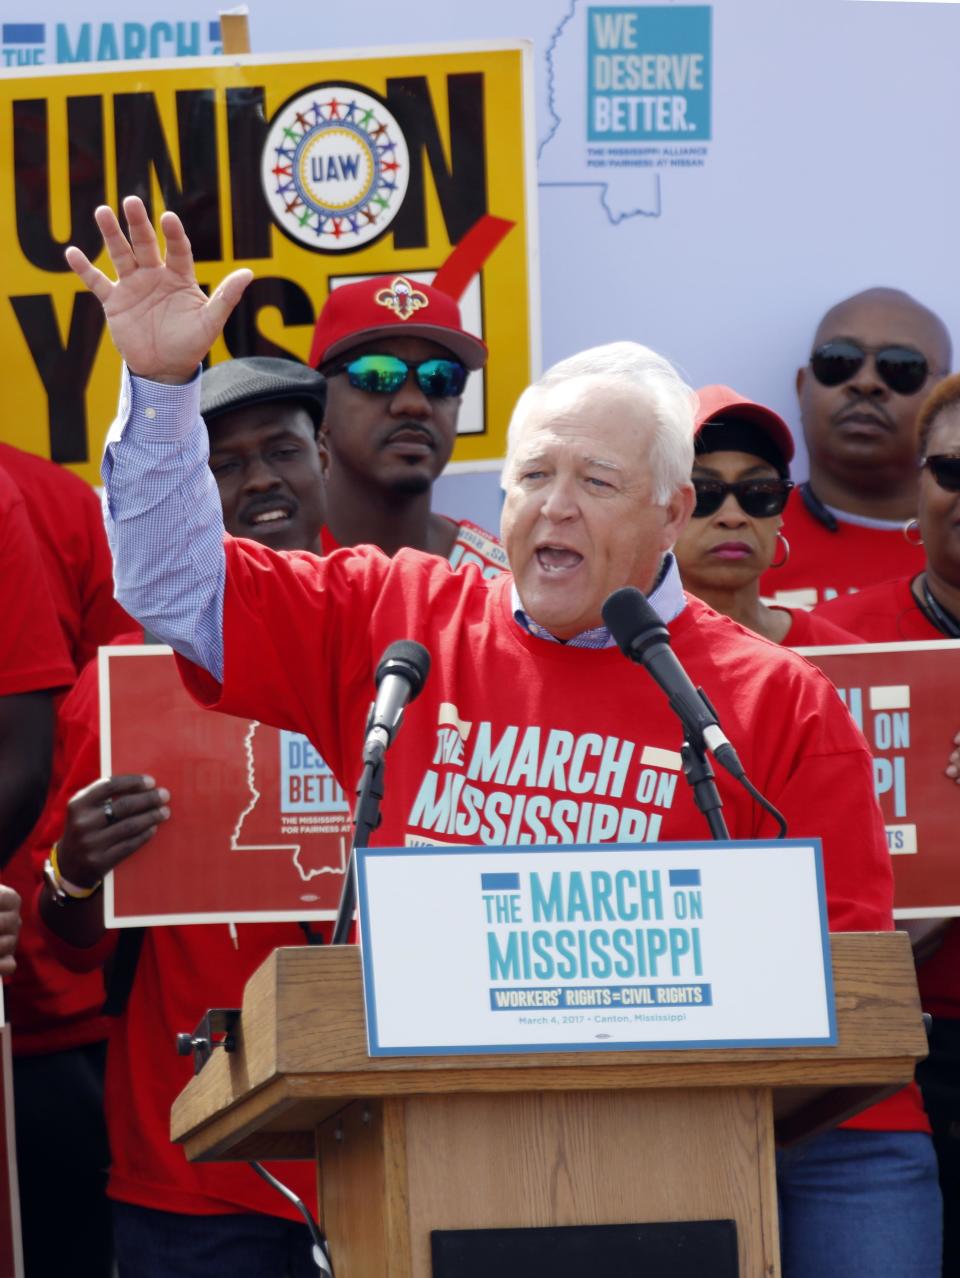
(71, 889)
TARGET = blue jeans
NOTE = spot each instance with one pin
(165, 1244)
(856, 1204)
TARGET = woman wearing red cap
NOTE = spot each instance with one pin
(741, 476)
(862, 1198)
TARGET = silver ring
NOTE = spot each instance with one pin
(108, 812)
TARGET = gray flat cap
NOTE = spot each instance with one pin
(258, 379)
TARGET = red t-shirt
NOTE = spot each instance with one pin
(302, 639)
(823, 564)
(885, 613)
(181, 973)
(51, 1008)
(473, 545)
(889, 614)
(808, 631)
(33, 657)
(68, 523)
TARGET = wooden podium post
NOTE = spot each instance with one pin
(407, 1145)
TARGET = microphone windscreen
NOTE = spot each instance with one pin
(626, 614)
(633, 621)
(409, 660)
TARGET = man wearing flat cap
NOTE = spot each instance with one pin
(263, 418)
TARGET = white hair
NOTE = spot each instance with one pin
(658, 388)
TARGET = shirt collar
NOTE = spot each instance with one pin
(865, 521)
(666, 597)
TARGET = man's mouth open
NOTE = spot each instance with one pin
(558, 559)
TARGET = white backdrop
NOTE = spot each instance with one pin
(831, 167)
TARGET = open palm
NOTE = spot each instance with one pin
(160, 320)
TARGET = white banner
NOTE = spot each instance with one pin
(592, 948)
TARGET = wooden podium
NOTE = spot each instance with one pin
(409, 1145)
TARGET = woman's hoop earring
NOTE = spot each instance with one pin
(786, 551)
(912, 534)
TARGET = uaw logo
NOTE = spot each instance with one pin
(334, 168)
(402, 298)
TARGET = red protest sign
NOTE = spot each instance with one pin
(260, 830)
(11, 1253)
(905, 697)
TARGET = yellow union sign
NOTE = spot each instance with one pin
(311, 172)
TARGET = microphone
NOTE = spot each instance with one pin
(642, 637)
(401, 674)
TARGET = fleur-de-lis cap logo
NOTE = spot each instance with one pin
(403, 298)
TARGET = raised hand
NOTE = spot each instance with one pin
(9, 928)
(161, 321)
(106, 823)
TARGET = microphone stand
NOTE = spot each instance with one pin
(700, 776)
(399, 678)
(366, 818)
(643, 638)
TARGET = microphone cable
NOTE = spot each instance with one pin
(320, 1249)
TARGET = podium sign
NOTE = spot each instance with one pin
(595, 947)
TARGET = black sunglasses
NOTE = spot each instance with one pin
(385, 374)
(945, 469)
(758, 498)
(903, 369)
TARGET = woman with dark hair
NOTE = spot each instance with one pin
(741, 473)
(927, 606)
(862, 1198)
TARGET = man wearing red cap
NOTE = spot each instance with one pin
(396, 358)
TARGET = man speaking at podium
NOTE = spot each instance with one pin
(532, 728)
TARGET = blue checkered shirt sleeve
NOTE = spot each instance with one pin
(164, 519)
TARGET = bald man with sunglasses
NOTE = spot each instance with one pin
(396, 358)
(874, 358)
